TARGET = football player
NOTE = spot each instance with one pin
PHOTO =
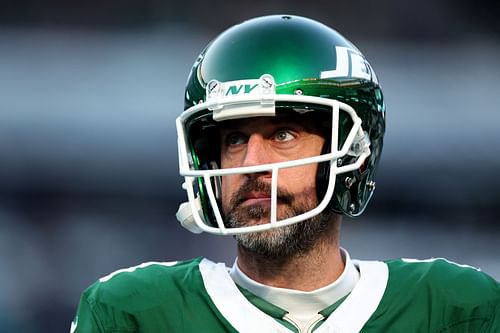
(280, 137)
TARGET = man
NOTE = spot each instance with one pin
(281, 135)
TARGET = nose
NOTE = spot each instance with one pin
(256, 152)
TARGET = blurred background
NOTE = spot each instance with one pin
(89, 92)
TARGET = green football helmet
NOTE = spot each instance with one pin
(274, 65)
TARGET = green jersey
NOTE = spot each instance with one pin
(199, 296)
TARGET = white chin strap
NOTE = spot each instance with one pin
(185, 216)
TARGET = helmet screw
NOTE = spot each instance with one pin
(213, 86)
(371, 185)
(352, 208)
(267, 81)
(348, 181)
(339, 162)
(298, 92)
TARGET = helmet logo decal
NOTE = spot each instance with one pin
(236, 89)
(350, 64)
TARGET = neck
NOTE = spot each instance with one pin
(314, 269)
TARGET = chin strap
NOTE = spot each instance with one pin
(185, 216)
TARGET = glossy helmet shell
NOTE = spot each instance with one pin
(306, 57)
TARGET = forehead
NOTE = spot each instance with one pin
(300, 121)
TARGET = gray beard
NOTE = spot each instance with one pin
(282, 242)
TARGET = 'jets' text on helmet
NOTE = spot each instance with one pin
(266, 67)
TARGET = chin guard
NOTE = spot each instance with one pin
(185, 216)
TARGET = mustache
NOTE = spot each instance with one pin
(256, 185)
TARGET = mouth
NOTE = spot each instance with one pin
(256, 198)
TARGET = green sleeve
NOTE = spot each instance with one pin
(86, 320)
(97, 316)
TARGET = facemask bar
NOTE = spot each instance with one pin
(191, 217)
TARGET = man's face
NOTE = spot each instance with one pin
(246, 198)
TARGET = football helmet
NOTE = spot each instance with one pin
(275, 65)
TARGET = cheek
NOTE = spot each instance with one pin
(227, 189)
(303, 179)
(299, 179)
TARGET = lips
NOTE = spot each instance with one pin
(255, 191)
(256, 198)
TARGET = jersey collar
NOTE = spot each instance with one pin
(301, 303)
(349, 317)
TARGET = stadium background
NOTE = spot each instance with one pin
(89, 92)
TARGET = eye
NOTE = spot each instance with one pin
(283, 136)
(234, 139)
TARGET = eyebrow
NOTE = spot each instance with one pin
(307, 124)
(288, 119)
